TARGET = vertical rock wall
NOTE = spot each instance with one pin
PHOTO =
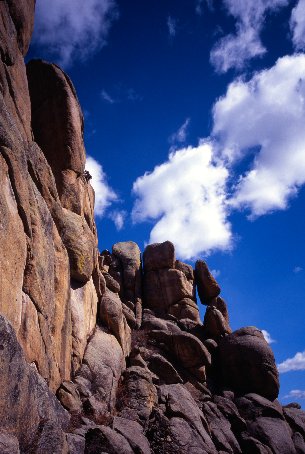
(47, 234)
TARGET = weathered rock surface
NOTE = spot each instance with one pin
(158, 256)
(248, 364)
(98, 353)
(99, 375)
(129, 255)
(29, 412)
(46, 233)
(111, 314)
(206, 283)
(84, 312)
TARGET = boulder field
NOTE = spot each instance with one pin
(105, 352)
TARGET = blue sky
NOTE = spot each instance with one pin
(194, 127)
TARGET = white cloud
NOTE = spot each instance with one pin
(295, 394)
(267, 337)
(189, 197)
(215, 273)
(295, 363)
(235, 50)
(297, 25)
(297, 269)
(118, 217)
(186, 196)
(106, 97)
(180, 135)
(172, 26)
(267, 114)
(104, 195)
(72, 28)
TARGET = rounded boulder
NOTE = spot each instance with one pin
(247, 363)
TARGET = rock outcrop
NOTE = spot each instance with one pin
(46, 241)
(104, 352)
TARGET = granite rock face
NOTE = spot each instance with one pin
(104, 352)
(44, 240)
(248, 364)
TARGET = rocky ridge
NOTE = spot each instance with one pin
(106, 352)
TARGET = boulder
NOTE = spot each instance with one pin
(80, 243)
(130, 317)
(164, 370)
(111, 283)
(188, 350)
(296, 419)
(228, 408)
(185, 308)
(165, 287)
(186, 440)
(252, 406)
(158, 256)
(247, 363)
(111, 314)
(274, 433)
(221, 306)
(215, 325)
(180, 403)
(69, 397)
(133, 432)
(83, 310)
(222, 435)
(103, 439)
(251, 444)
(137, 395)
(101, 369)
(151, 322)
(129, 255)
(206, 283)
(186, 269)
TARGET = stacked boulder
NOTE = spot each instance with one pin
(168, 283)
(182, 386)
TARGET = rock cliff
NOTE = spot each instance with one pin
(106, 352)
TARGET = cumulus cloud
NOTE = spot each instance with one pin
(235, 50)
(259, 123)
(180, 135)
(295, 363)
(295, 394)
(118, 217)
(267, 114)
(267, 337)
(72, 28)
(104, 195)
(186, 198)
(297, 25)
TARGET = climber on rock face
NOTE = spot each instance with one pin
(86, 175)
